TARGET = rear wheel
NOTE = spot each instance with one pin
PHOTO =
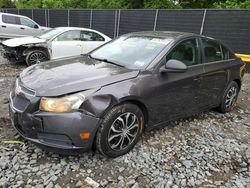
(120, 130)
(229, 97)
(35, 57)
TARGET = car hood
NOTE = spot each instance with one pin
(22, 40)
(69, 75)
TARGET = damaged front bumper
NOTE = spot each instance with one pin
(57, 132)
(12, 54)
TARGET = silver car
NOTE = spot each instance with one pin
(12, 26)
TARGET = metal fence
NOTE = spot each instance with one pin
(230, 26)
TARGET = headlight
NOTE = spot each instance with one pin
(64, 104)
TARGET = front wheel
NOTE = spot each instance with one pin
(35, 57)
(229, 97)
(120, 130)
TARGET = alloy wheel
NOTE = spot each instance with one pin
(36, 57)
(123, 131)
(231, 97)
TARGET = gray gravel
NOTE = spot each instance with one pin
(206, 150)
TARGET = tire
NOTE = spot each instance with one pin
(35, 57)
(229, 97)
(114, 138)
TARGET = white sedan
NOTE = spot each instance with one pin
(56, 43)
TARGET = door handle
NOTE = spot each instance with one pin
(78, 45)
(4, 26)
(22, 28)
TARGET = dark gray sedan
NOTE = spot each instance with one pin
(107, 98)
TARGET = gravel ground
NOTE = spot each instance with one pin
(206, 150)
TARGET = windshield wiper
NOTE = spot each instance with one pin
(105, 60)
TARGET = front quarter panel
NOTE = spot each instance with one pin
(139, 89)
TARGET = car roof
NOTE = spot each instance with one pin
(13, 14)
(164, 34)
(75, 28)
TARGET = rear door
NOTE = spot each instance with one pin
(67, 44)
(91, 40)
(217, 63)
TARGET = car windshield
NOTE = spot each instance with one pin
(134, 52)
(49, 34)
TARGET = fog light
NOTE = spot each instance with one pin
(85, 136)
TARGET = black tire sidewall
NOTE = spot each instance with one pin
(35, 51)
(223, 108)
(102, 136)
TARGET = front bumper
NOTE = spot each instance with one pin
(58, 132)
(12, 54)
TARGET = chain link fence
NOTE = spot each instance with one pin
(230, 26)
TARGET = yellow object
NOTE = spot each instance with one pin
(13, 142)
(244, 57)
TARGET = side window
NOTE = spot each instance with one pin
(11, 19)
(212, 51)
(91, 36)
(69, 36)
(27, 22)
(226, 53)
(186, 52)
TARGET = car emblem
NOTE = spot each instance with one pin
(18, 90)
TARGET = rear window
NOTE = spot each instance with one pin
(11, 19)
(212, 51)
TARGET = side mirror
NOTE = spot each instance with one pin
(36, 26)
(173, 65)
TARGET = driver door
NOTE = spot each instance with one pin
(67, 44)
(177, 93)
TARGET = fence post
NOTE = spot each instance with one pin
(118, 22)
(32, 14)
(203, 21)
(48, 18)
(18, 11)
(91, 17)
(68, 17)
(156, 17)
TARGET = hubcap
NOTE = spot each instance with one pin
(36, 57)
(123, 131)
(231, 97)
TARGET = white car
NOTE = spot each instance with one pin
(53, 44)
(13, 25)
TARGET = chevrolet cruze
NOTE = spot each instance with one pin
(107, 98)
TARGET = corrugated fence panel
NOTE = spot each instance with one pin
(79, 18)
(180, 20)
(26, 12)
(39, 15)
(57, 18)
(104, 21)
(231, 27)
(136, 20)
(11, 11)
